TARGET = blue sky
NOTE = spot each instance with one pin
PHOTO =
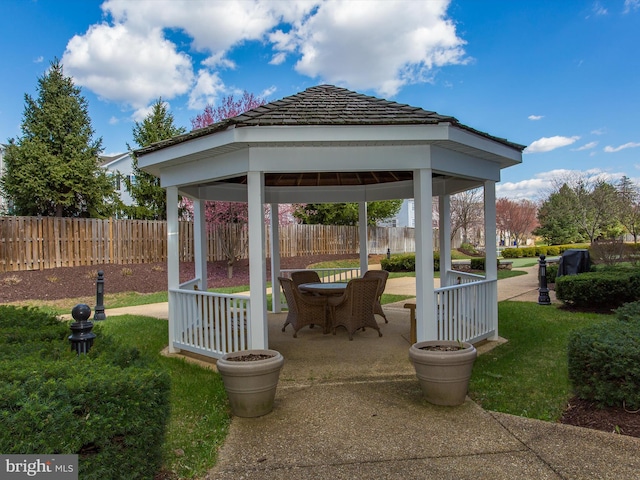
(561, 77)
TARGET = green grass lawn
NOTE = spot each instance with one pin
(527, 376)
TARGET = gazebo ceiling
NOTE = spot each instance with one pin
(319, 179)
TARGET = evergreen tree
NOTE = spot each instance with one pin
(53, 169)
(150, 197)
(557, 218)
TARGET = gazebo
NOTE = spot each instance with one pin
(328, 144)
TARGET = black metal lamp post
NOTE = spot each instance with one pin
(543, 291)
(82, 338)
(99, 310)
(388, 253)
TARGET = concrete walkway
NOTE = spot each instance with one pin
(353, 410)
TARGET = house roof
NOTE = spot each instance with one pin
(326, 105)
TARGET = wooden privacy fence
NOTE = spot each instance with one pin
(38, 243)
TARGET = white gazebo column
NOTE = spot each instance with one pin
(257, 262)
(444, 231)
(173, 259)
(364, 237)
(200, 243)
(275, 258)
(426, 327)
(491, 257)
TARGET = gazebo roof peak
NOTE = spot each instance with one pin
(331, 105)
(326, 105)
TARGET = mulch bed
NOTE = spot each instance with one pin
(75, 282)
(583, 413)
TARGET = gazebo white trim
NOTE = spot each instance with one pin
(297, 151)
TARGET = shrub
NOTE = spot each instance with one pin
(551, 272)
(541, 250)
(406, 263)
(604, 363)
(528, 252)
(512, 253)
(629, 312)
(468, 249)
(553, 251)
(110, 407)
(477, 263)
(602, 289)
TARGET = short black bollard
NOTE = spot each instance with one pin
(82, 338)
(543, 291)
(388, 253)
(98, 313)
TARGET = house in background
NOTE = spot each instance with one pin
(120, 167)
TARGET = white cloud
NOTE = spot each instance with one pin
(130, 57)
(122, 65)
(610, 149)
(631, 6)
(598, 9)
(586, 146)
(543, 183)
(39, 59)
(267, 92)
(206, 90)
(598, 131)
(535, 117)
(546, 144)
(382, 47)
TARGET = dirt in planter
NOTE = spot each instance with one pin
(249, 357)
(442, 348)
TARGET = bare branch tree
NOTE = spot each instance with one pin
(467, 212)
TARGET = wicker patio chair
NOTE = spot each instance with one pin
(354, 310)
(303, 309)
(305, 276)
(382, 275)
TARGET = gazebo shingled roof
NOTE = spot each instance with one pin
(326, 105)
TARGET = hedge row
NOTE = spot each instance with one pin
(608, 288)
(110, 407)
(604, 360)
(406, 263)
(536, 251)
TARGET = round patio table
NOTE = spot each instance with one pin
(324, 288)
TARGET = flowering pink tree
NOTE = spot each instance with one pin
(229, 107)
(227, 221)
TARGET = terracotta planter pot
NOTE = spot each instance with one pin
(251, 384)
(443, 375)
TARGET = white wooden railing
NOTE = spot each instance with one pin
(456, 277)
(467, 312)
(210, 324)
(213, 324)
